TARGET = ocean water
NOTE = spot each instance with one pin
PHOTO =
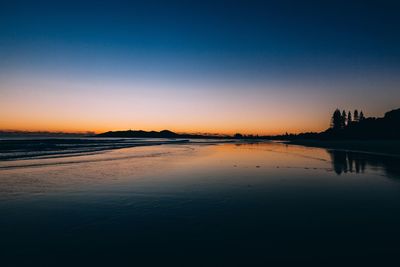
(198, 204)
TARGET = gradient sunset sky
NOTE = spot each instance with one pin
(260, 67)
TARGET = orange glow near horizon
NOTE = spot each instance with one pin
(56, 105)
(82, 126)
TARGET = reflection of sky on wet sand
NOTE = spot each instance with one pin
(222, 204)
(176, 166)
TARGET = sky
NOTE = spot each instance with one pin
(255, 67)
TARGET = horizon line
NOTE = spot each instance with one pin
(178, 132)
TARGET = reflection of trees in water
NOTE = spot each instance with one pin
(344, 161)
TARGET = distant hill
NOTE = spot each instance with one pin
(155, 134)
(387, 127)
(140, 133)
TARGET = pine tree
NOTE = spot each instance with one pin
(343, 119)
(355, 117)
(336, 119)
(349, 120)
(361, 116)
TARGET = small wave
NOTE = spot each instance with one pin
(55, 148)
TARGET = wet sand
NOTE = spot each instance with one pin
(201, 205)
(383, 147)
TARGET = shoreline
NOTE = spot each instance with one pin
(378, 147)
(45, 148)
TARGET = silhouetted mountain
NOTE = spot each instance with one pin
(343, 127)
(155, 134)
(140, 133)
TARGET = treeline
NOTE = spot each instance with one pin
(344, 126)
(360, 127)
(342, 119)
(354, 126)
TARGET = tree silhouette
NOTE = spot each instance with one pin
(336, 119)
(343, 119)
(238, 136)
(361, 116)
(349, 120)
(355, 117)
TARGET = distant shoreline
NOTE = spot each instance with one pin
(383, 147)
